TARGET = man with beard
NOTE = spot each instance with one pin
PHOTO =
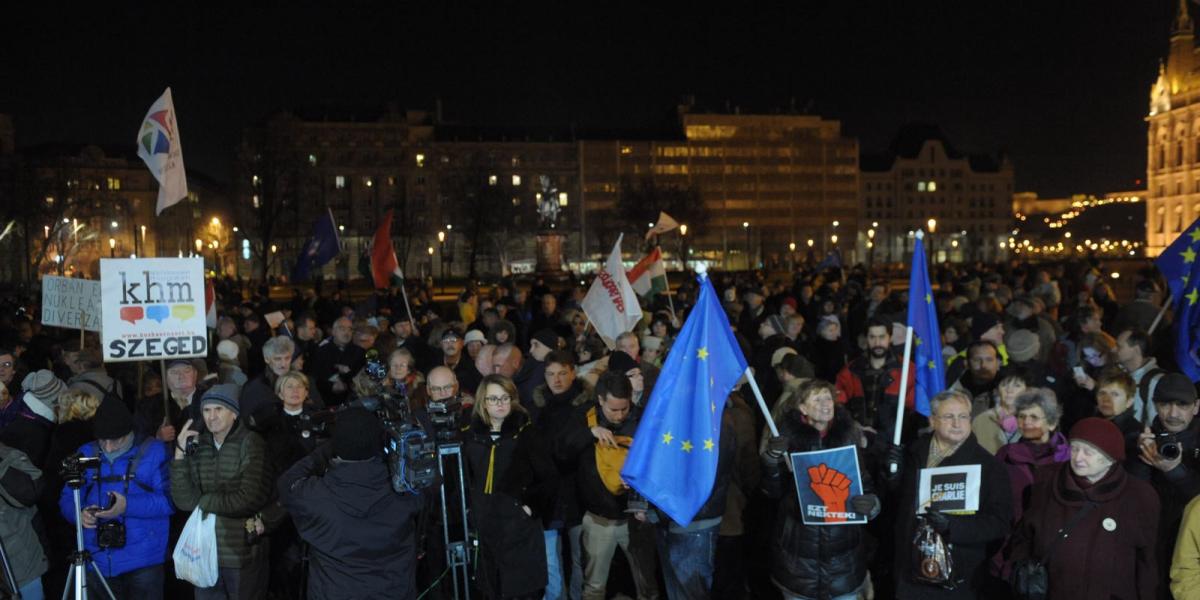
(982, 376)
(870, 384)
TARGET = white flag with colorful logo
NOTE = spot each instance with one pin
(665, 223)
(160, 148)
(649, 276)
(611, 304)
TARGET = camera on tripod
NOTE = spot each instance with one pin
(73, 468)
(444, 416)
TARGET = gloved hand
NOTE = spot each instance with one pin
(777, 446)
(938, 521)
(866, 505)
(893, 467)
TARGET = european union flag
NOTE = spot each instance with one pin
(927, 336)
(321, 248)
(1176, 262)
(1187, 306)
(673, 460)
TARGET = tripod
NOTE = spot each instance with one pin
(81, 558)
(456, 552)
(9, 579)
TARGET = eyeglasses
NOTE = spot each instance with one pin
(498, 400)
(439, 389)
(953, 418)
(6, 364)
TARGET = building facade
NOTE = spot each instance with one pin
(922, 182)
(1173, 139)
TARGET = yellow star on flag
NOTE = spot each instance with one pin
(928, 298)
(916, 341)
(702, 353)
(1193, 296)
(686, 446)
(708, 445)
(931, 365)
(1189, 255)
(1195, 235)
(667, 437)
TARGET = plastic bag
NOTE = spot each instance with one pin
(195, 554)
(932, 562)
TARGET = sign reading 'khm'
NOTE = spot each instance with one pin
(153, 308)
(71, 303)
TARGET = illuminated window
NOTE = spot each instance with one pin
(920, 186)
(932, 186)
(492, 179)
(562, 198)
(626, 149)
(420, 160)
(255, 201)
(312, 160)
(339, 182)
(516, 180)
(516, 161)
(114, 183)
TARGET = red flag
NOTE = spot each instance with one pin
(383, 256)
(210, 304)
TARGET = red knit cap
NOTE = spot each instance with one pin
(1102, 434)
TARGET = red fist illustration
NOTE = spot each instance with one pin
(833, 488)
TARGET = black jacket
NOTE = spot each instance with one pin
(506, 474)
(328, 356)
(361, 533)
(811, 560)
(1175, 489)
(551, 415)
(974, 537)
(579, 446)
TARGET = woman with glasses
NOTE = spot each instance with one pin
(512, 483)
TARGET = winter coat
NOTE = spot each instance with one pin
(260, 391)
(362, 534)
(578, 445)
(878, 412)
(1109, 552)
(988, 428)
(810, 560)
(1022, 459)
(231, 483)
(1185, 562)
(550, 414)
(747, 468)
(1175, 489)
(19, 483)
(506, 474)
(148, 508)
(327, 358)
(974, 538)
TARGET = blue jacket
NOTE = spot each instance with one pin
(147, 512)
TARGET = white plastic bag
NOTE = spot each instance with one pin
(195, 554)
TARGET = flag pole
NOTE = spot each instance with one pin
(762, 405)
(900, 399)
(404, 293)
(1162, 311)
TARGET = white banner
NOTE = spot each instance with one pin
(611, 304)
(953, 490)
(71, 303)
(153, 308)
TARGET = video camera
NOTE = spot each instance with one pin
(73, 468)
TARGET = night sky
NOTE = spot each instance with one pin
(1062, 87)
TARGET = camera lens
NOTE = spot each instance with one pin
(1170, 450)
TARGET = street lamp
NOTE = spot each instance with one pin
(199, 245)
(112, 247)
(216, 222)
(870, 249)
(932, 223)
(746, 228)
(441, 236)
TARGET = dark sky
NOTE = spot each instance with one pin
(1063, 87)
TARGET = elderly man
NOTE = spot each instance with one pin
(338, 360)
(455, 359)
(972, 535)
(260, 391)
(184, 391)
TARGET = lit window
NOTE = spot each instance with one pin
(626, 149)
(920, 186)
(254, 180)
(932, 186)
(114, 183)
(368, 182)
(492, 179)
(245, 249)
(516, 201)
(516, 161)
(255, 201)
(339, 182)
(49, 200)
(516, 180)
(562, 198)
(420, 160)
(312, 159)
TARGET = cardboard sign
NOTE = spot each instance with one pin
(826, 480)
(949, 489)
(153, 308)
(71, 303)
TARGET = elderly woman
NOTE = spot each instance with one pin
(403, 376)
(1092, 525)
(810, 561)
(512, 482)
(1040, 443)
(998, 425)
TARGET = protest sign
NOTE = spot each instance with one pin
(153, 308)
(949, 489)
(825, 482)
(71, 303)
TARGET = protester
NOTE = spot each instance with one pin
(19, 482)
(1040, 444)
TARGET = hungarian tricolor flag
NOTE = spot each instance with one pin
(383, 256)
(649, 276)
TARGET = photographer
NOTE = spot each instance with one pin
(20, 484)
(224, 472)
(362, 534)
(125, 513)
(1168, 459)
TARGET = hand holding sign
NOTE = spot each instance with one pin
(833, 488)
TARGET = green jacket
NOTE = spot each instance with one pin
(231, 483)
(17, 512)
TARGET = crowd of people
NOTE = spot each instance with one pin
(1067, 404)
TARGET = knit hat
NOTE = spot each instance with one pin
(1102, 434)
(1175, 388)
(547, 338)
(790, 301)
(779, 354)
(620, 362)
(227, 350)
(44, 388)
(981, 323)
(112, 419)
(1022, 345)
(225, 394)
(356, 435)
(475, 335)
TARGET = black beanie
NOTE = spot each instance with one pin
(357, 435)
(112, 419)
(621, 362)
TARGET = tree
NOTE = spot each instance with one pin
(488, 216)
(641, 201)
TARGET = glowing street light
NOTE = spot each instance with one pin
(833, 238)
(932, 223)
(216, 222)
(683, 229)
(810, 242)
(791, 246)
(199, 245)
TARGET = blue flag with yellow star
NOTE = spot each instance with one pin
(927, 359)
(1176, 262)
(673, 459)
(1187, 321)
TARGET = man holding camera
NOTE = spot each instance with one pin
(362, 533)
(125, 512)
(1168, 459)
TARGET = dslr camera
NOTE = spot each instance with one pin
(1168, 446)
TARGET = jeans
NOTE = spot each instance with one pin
(575, 588)
(847, 596)
(687, 560)
(246, 583)
(600, 539)
(554, 572)
(145, 583)
(32, 589)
